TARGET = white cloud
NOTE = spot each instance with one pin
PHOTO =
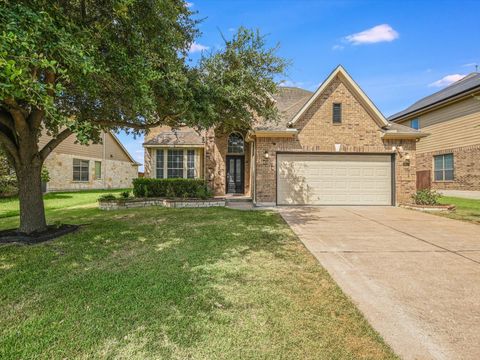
(469, 64)
(447, 80)
(289, 83)
(189, 4)
(195, 47)
(379, 33)
(338, 47)
(232, 29)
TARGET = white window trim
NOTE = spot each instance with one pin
(88, 167)
(443, 168)
(197, 174)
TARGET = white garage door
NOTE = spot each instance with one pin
(334, 179)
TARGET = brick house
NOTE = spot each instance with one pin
(330, 147)
(450, 156)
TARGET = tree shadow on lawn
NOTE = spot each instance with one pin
(145, 281)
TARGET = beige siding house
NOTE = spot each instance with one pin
(330, 147)
(72, 166)
(450, 155)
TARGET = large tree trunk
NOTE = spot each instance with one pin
(32, 212)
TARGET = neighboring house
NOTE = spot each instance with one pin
(450, 156)
(331, 147)
(72, 166)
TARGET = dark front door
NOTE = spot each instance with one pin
(235, 175)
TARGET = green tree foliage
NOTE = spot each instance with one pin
(83, 66)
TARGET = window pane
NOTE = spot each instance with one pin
(191, 164)
(337, 113)
(160, 164)
(414, 124)
(235, 144)
(439, 175)
(448, 161)
(438, 162)
(98, 170)
(80, 170)
(175, 164)
(448, 175)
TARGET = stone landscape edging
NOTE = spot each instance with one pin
(118, 204)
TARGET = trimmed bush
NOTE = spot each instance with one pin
(107, 197)
(125, 194)
(426, 197)
(171, 188)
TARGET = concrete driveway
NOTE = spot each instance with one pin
(415, 276)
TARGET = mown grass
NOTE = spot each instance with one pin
(466, 209)
(174, 284)
(53, 201)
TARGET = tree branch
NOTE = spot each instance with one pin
(10, 146)
(136, 126)
(52, 144)
(18, 115)
(7, 121)
(35, 119)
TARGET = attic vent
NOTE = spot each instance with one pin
(337, 113)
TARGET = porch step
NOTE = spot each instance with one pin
(240, 199)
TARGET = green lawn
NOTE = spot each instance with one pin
(467, 209)
(173, 284)
(56, 201)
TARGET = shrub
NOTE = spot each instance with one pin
(426, 197)
(125, 194)
(8, 185)
(107, 197)
(170, 188)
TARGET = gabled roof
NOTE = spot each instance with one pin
(176, 137)
(341, 72)
(124, 149)
(468, 84)
(288, 100)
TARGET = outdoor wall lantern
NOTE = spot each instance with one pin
(265, 154)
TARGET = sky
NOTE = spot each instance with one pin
(397, 51)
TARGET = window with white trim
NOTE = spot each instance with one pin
(80, 170)
(190, 164)
(443, 166)
(160, 164)
(415, 124)
(175, 163)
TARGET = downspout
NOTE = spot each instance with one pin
(254, 172)
(104, 165)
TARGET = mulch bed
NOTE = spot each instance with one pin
(13, 236)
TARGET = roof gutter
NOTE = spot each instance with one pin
(271, 133)
(399, 135)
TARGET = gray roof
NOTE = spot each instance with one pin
(398, 128)
(468, 83)
(289, 101)
(179, 137)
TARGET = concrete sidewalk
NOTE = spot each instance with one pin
(461, 194)
(415, 276)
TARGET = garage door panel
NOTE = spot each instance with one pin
(334, 179)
